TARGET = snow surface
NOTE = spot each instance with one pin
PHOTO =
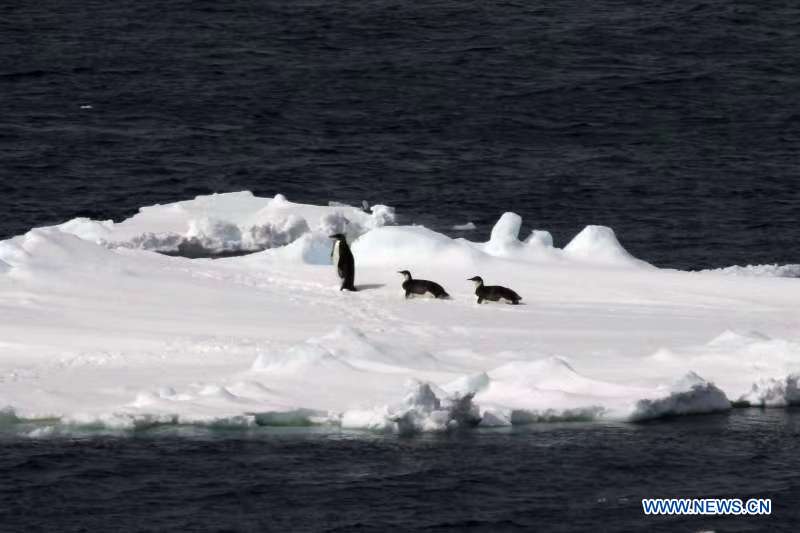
(98, 330)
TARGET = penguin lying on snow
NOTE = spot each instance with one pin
(421, 286)
(494, 293)
(342, 257)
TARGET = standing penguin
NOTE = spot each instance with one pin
(422, 286)
(494, 293)
(343, 259)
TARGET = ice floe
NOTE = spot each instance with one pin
(98, 331)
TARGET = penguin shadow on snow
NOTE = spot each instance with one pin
(369, 286)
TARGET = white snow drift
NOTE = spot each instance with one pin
(98, 330)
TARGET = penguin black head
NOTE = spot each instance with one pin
(405, 273)
(477, 280)
(337, 237)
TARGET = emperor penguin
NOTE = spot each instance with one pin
(421, 286)
(342, 257)
(494, 293)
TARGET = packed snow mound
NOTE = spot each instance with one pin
(599, 244)
(504, 241)
(49, 250)
(505, 232)
(363, 352)
(468, 384)
(770, 270)
(731, 339)
(553, 373)
(539, 239)
(689, 395)
(239, 223)
(407, 246)
(548, 389)
(306, 357)
(227, 223)
(402, 246)
(344, 349)
(748, 365)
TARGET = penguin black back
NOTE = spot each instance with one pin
(422, 286)
(494, 293)
(342, 258)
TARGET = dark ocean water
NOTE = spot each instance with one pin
(550, 477)
(676, 123)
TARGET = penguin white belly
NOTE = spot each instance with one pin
(336, 253)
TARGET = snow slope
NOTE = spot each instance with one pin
(99, 330)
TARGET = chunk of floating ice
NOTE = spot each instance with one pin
(490, 367)
(464, 227)
(600, 244)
